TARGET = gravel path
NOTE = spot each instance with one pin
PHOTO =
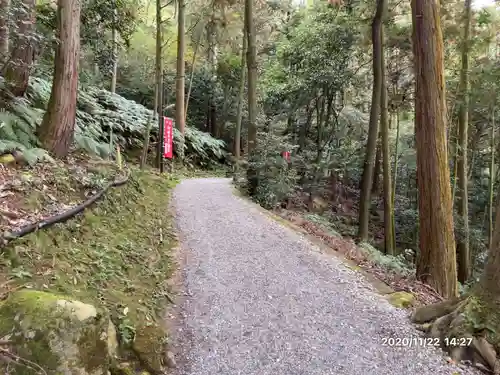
(263, 300)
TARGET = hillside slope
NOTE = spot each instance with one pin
(101, 116)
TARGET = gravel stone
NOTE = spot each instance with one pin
(261, 299)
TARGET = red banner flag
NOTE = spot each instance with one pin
(286, 155)
(168, 137)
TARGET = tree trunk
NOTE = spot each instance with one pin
(212, 61)
(475, 317)
(159, 85)
(490, 279)
(386, 157)
(474, 320)
(179, 87)
(486, 299)
(4, 32)
(58, 126)
(114, 36)
(304, 127)
(147, 134)
(239, 114)
(18, 68)
(371, 145)
(396, 160)
(377, 168)
(492, 180)
(252, 76)
(252, 173)
(193, 61)
(455, 168)
(436, 265)
(463, 254)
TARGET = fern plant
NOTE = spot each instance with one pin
(99, 114)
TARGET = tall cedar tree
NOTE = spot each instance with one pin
(386, 155)
(18, 68)
(211, 28)
(114, 38)
(4, 32)
(180, 116)
(436, 265)
(241, 91)
(252, 76)
(463, 253)
(159, 84)
(371, 144)
(58, 126)
(252, 175)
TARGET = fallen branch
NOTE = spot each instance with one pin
(9, 357)
(59, 218)
(9, 214)
(169, 298)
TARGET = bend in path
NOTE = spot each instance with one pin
(263, 300)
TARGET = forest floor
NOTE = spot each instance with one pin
(28, 195)
(116, 254)
(256, 297)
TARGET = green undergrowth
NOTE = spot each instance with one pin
(116, 254)
(188, 172)
(323, 223)
(100, 116)
(398, 264)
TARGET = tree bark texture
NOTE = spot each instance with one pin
(436, 264)
(252, 76)
(463, 253)
(212, 61)
(58, 126)
(377, 168)
(241, 91)
(159, 85)
(18, 68)
(371, 144)
(386, 158)
(180, 119)
(4, 32)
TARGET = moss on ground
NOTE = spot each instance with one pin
(117, 255)
(56, 334)
(401, 300)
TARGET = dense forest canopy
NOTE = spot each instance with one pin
(388, 110)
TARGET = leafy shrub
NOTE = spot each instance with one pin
(397, 264)
(324, 223)
(200, 147)
(272, 181)
(406, 225)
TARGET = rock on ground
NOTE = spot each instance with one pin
(263, 300)
(50, 334)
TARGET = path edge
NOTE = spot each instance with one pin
(380, 287)
(174, 315)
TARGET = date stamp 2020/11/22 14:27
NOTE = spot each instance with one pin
(426, 341)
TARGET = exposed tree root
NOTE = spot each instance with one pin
(9, 358)
(430, 313)
(465, 330)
